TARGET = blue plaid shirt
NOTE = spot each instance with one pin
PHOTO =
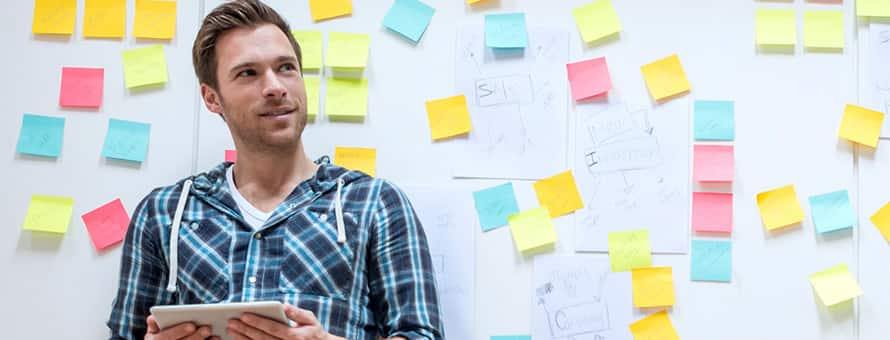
(379, 283)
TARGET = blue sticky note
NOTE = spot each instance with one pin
(494, 205)
(714, 120)
(409, 18)
(711, 260)
(832, 211)
(126, 140)
(506, 30)
(511, 337)
(41, 135)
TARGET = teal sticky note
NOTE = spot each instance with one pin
(711, 260)
(126, 140)
(714, 120)
(506, 30)
(41, 135)
(511, 337)
(494, 205)
(832, 211)
(409, 18)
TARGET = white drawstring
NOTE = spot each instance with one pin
(338, 210)
(174, 236)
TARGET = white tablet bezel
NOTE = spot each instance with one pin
(217, 315)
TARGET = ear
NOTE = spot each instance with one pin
(212, 100)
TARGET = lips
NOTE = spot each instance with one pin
(277, 113)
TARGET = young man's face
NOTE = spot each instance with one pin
(261, 91)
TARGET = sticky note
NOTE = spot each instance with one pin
(506, 30)
(346, 99)
(714, 120)
(861, 125)
(41, 135)
(348, 50)
(49, 213)
(653, 287)
(311, 48)
(126, 140)
(82, 87)
(873, 8)
(657, 326)
(776, 27)
(532, 229)
(881, 220)
(409, 18)
(712, 212)
(596, 20)
(629, 250)
(494, 205)
(665, 78)
(327, 9)
(358, 159)
(104, 18)
(448, 117)
(713, 163)
(823, 29)
(54, 16)
(107, 225)
(832, 211)
(779, 207)
(145, 66)
(589, 78)
(155, 19)
(473, 1)
(313, 96)
(835, 285)
(559, 194)
(711, 260)
(511, 337)
(231, 156)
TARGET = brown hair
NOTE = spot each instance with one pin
(228, 16)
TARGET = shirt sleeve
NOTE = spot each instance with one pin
(402, 282)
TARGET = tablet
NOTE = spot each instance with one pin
(216, 316)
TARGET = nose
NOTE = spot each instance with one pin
(274, 88)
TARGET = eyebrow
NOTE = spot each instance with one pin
(281, 59)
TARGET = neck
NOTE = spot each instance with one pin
(266, 178)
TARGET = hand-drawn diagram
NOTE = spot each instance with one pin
(518, 103)
(879, 71)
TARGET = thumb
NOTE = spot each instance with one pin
(301, 316)
(152, 325)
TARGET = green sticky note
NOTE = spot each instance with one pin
(313, 95)
(49, 213)
(506, 30)
(776, 27)
(714, 120)
(629, 250)
(311, 43)
(873, 8)
(823, 29)
(348, 50)
(832, 211)
(145, 66)
(126, 140)
(409, 18)
(346, 99)
(596, 20)
(41, 135)
(711, 260)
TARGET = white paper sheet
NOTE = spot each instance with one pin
(878, 89)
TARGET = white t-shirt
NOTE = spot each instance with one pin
(253, 216)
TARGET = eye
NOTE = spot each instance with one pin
(287, 67)
(246, 73)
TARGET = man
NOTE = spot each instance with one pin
(344, 251)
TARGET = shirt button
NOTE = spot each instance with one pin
(194, 225)
(258, 236)
(324, 217)
(252, 279)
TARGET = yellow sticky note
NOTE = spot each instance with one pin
(104, 18)
(861, 125)
(823, 29)
(313, 93)
(881, 220)
(346, 99)
(448, 117)
(348, 50)
(779, 208)
(326, 9)
(657, 326)
(776, 27)
(311, 43)
(629, 250)
(665, 78)
(359, 159)
(835, 285)
(559, 194)
(145, 66)
(473, 1)
(532, 229)
(49, 213)
(597, 20)
(873, 8)
(54, 16)
(155, 19)
(653, 287)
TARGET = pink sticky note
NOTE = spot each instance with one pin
(589, 78)
(713, 163)
(231, 155)
(712, 212)
(82, 87)
(107, 224)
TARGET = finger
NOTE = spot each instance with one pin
(248, 331)
(236, 335)
(178, 332)
(268, 326)
(152, 325)
(200, 334)
(301, 316)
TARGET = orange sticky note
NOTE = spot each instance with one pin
(712, 212)
(713, 163)
(448, 117)
(559, 194)
(359, 159)
(155, 19)
(657, 326)
(861, 125)
(665, 78)
(104, 18)
(107, 224)
(779, 208)
(54, 16)
(881, 220)
(82, 87)
(327, 9)
(231, 156)
(653, 287)
(589, 78)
